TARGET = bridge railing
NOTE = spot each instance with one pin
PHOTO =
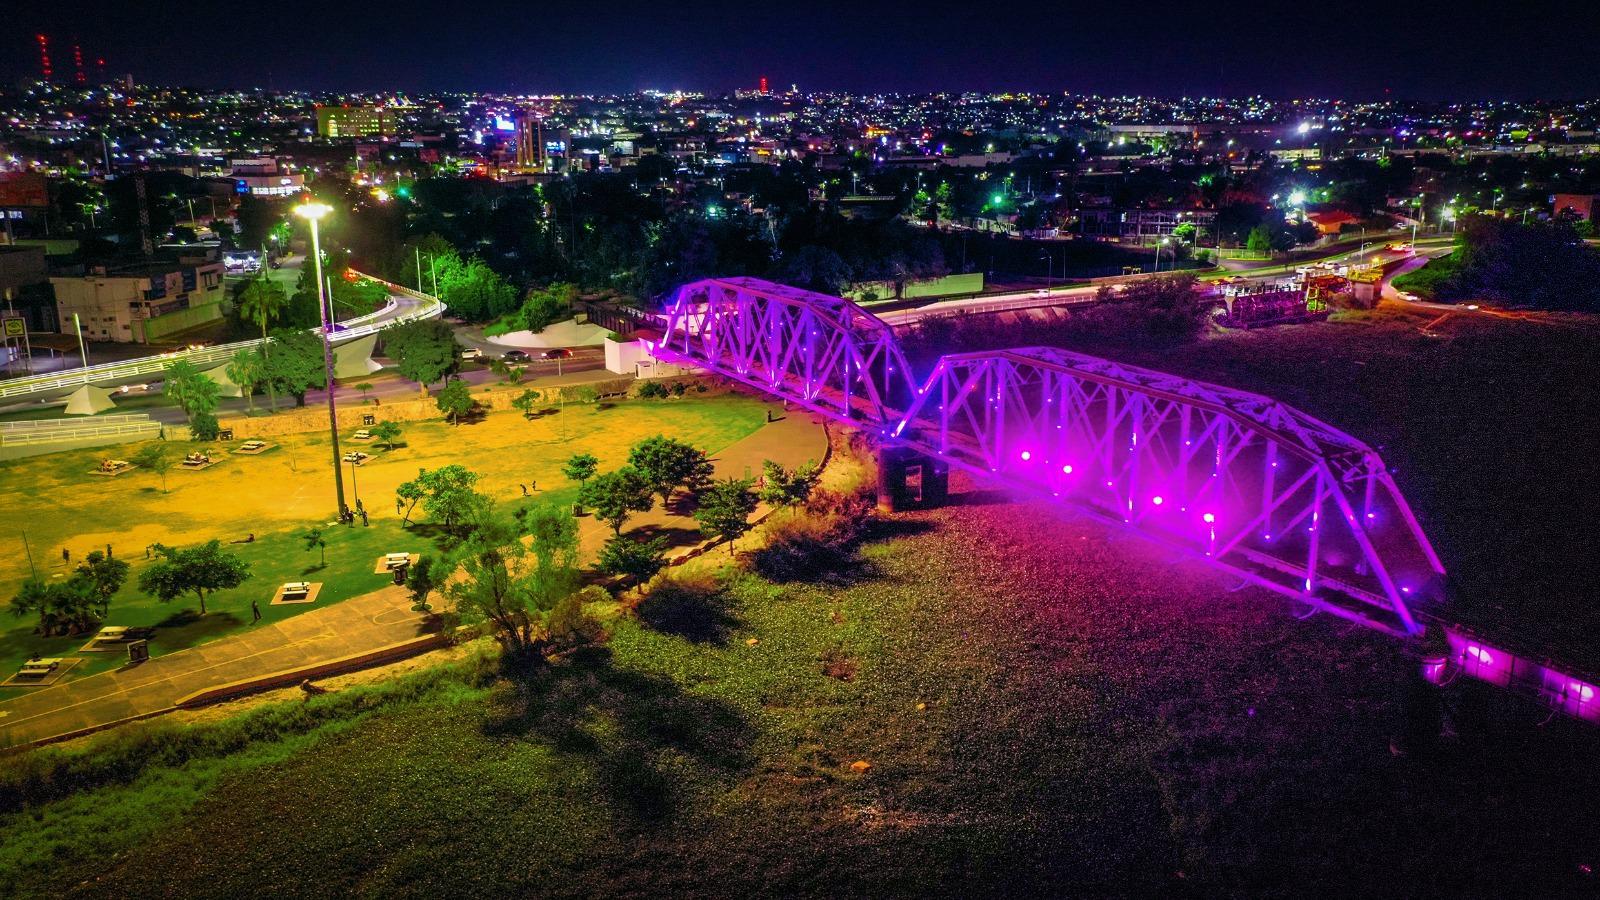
(371, 323)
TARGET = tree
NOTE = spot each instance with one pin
(203, 426)
(526, 401)
(364, 387)
(422, 579)
(665, 463)
(263, 301)
(476, 292)
(1259, 243)
(294, 363)
(454, 401)
(615, 496)
(187, 386)
(515, 587)
(201, 570)
(424, 350)
(104, 576)
(544, 307)
(154, 457)
(782, 487)
(315, 541)
(446, 494)
(635, 560)
(725, 508)
(246, 369)
(580, 467)
(386, 433)
(63, 607)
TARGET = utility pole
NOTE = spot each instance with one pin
(312, 212)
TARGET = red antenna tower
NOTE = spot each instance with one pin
(763, 84)
(100, 70)
(44, 58)
(77, 62)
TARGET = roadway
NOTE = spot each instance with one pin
(1079, 295)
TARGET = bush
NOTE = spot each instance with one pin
(652, 390)
(570, 624)
(819, 546)
(203, 426)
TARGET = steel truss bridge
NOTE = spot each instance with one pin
(1246, 483)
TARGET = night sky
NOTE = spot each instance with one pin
(1511, 49)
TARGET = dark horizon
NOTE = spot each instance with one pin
(1426, 51)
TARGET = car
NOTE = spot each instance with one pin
(1235, 279)
(471, 352)
(1401, 247)
(515, 356)
(356, 457)
(556, 353)
(1041, 292)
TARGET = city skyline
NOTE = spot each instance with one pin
(1424, 51)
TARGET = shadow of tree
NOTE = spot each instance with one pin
(697, 611)
(637, 730)
(676, 536)
(800, 552)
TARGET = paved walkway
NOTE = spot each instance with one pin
(361, 623)
(356, 625)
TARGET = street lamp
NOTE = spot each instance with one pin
(313, 211)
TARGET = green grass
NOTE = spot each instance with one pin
(279, 494)
(1044, 711)
(1433, 281)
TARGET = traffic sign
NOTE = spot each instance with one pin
(15, 326)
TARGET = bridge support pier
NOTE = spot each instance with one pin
(911, 480)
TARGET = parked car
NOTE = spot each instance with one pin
(471, 352)
(556, 353)
(356, 457)
(515, 356)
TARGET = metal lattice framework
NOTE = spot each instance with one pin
(825, 353)
(1241, 480)
(1246, 482)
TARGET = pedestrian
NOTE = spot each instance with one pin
(364, 519)
(359, 507)
(532, 485)
(399, 507)
(524, 489)
(66, 557)
(146, 551)
(108, 551)
(255, 610)
(163, 433)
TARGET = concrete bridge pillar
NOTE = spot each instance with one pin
(353, 359)
(911, 480)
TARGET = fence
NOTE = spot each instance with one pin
(18, 439)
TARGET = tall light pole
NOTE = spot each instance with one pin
(311, 212)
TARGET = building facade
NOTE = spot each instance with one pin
(140, 304)
(354, 121)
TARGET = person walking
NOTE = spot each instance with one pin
(255, 610)
(524, 489)
(364, 519)
(66, 557)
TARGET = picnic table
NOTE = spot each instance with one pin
(41, 665)
(113, 465)
(296, 589)
(112, 633)
(197, 459)
(363, 434)
(252, 445)
(396, 560)
(356, 457)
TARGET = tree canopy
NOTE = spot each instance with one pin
(423, 350)
(198, 570)
(667, 463)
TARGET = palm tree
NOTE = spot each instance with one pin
(247, 370)
(262, 301)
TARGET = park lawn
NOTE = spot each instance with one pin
(1045, 711)
(277, 495)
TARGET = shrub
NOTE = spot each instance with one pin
(570, 624)
(819, 546)
(203, 426)
(652, 390)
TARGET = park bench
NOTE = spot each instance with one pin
(363, 435)
(252, 445)
(296, 590)
(396, 560)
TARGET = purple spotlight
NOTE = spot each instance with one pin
(1066, 470)
(1484, 657)
(1582, 692)
(1209, 518)
(1026, 455)
(1156, 500)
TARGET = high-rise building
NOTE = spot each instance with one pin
(354, 121)
(541, 149)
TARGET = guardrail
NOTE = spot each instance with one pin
(72, 431)
(360, 326)
(29, 425)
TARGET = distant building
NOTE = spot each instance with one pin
(263, 177)
(1330, 222)
(141, 303)
(540, 149)
(1584, 206)
(1140, 226)
(354, 121)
